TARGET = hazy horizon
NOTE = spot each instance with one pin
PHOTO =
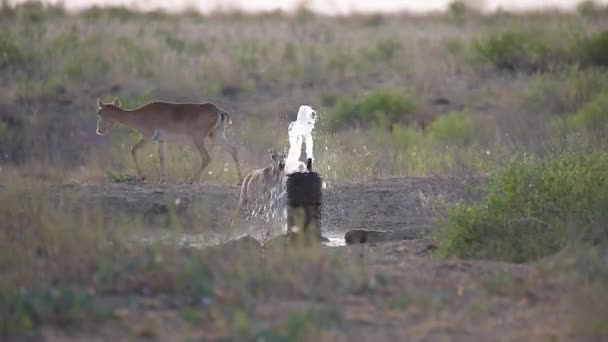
(331, 7)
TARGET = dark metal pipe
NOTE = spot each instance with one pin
(304, 206)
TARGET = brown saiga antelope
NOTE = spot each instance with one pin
(259, 184)
(163, 122)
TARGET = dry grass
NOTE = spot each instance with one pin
(261, 68)
(71, 271)
(62, 266)
(67, 263)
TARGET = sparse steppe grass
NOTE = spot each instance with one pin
(61, 268)
(77, 275)
(56, 64)
(452, 107)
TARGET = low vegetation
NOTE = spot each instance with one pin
(519, 99)
(63, 269)
(381, 109)
(534, 208)
(52, 78)
(593, 116)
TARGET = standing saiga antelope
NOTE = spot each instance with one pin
(163, 122)
(258, 186)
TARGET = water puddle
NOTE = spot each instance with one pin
(335, 240)
(203, 241)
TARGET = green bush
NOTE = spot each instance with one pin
(4, 132)
(301, 325)
(455, 129)
(458, 8)
(533, 208)
(592, 116)
(384, 50)
(10, 53)
(381, 108)
(405, 138)
(591, 9)
(563, 92)
(593, 50)
(503, 50)
(22, 311)
(519, 51)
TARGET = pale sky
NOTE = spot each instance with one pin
(322, 6)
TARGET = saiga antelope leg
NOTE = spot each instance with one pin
(243, 199)
(200, 146)
(142, 141)
(162, 147)
(223, 140)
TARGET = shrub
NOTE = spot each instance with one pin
(384, 50)
(502, 50)
(593, 115)
(533, 208)
(563, 92)
(519, 51)
(23, 311)
(593, 50)
(124, 178)
(591, 9)
(455, 128)
(381, 108)
(4, 131)
(299, 326)
(89, 67)
(405, 138)
(461, 9)
(458, 9)
(10, 53)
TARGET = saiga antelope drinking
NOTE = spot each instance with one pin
(163, 122)
(259, 184)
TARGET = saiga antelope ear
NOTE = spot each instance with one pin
(117, 103)
(273, 154)
(100, 103)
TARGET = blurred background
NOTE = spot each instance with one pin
(333, 7)
(399, 93)
(477, 128)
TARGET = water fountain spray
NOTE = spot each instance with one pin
(300, 131)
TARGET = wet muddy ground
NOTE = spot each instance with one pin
(204, 212)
